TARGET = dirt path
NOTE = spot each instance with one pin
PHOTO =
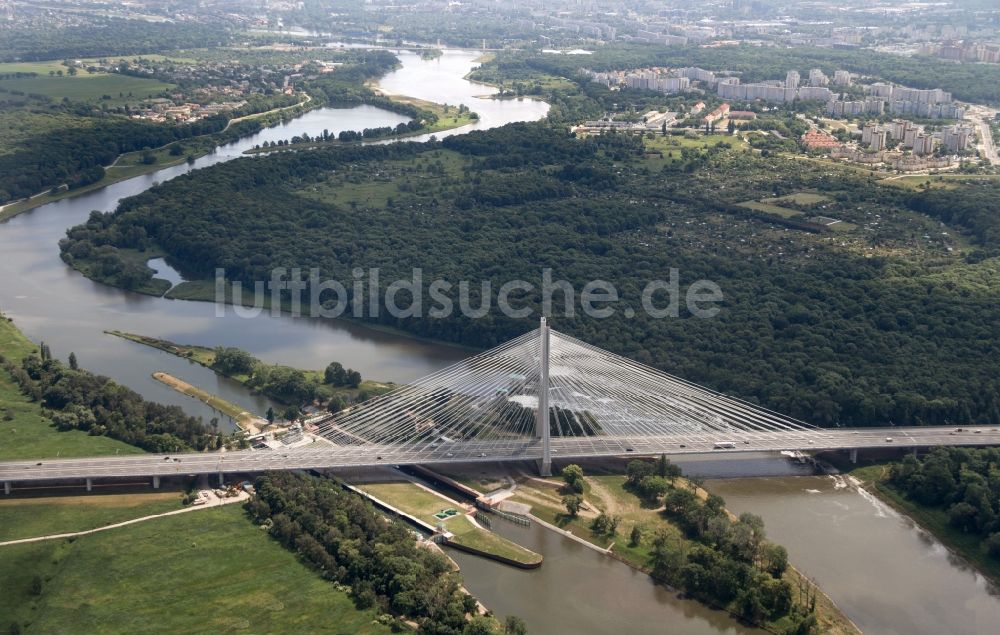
(213, 501)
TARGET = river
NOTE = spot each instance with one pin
(50, 302)
(888, 576)
(885, 573)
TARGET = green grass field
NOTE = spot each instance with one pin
(208, 571)
(799, 198)
(770, 208)
(418, 502)
(937, 181)
(28, 434)
(88, 87)
(30, 517)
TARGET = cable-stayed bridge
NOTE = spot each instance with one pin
(540, 396)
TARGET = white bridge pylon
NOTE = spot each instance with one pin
(546, 392)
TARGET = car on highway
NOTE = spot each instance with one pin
(888, 439)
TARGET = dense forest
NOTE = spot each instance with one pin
(351, 544)
(965, 482)
(106, 36)
(77, 154)
(76, 399)
(876, 325)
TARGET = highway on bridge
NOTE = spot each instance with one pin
(323, 455)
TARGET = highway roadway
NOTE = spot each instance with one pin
(326, 456)
(980, 116)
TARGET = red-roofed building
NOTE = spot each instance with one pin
(816, 139)
(717, 114)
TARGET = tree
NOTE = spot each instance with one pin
(233, 361)
(635, 537)
(335, 374)
(993, 545)
(666, 469)
(353, 378)
(270, 414)
(637, 470)
(72, 362)
(481, 625)
(573, 503)
(514, 625)
(651, 488)
(573, 475)
(336, 404)
(749, 604)
(775, 560)
(964, 517)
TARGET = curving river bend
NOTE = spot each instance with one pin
(885, 574)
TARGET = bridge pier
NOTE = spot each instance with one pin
(6, 487)
(90, 485)
(542, 414)
(854, 455)
(156, 482)
(222, 479)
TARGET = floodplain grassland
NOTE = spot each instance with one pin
(29, 517)
(25, 432)
(208, 571)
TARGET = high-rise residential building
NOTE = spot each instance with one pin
(792, 79)
(923, 144)
(842, 78)
(878, 140)
(818, 78)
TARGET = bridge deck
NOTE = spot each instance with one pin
(486, 451)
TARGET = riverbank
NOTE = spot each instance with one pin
(244, 420)
(872, 477)
(447, 117)
(206, 357)
(132, 164)
(606, 495)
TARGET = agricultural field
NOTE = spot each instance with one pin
(118, 89)
(209, 570)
